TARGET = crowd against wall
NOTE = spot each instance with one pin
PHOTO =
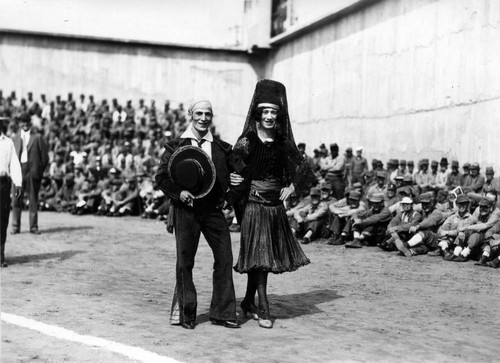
(103, 158)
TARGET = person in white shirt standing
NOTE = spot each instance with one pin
(10, 172)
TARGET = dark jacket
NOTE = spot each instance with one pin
(38, 153)
(220, 156)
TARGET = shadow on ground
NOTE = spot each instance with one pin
(63, 255)
(295, 305)
(292, 305)
(65, 229)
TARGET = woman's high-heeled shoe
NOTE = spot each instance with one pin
(265, 319)
(249, 310)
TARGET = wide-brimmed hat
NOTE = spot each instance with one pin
(192, 169)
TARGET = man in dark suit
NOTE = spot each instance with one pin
(32, 151)
(193, 216)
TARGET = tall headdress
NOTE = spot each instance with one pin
(269, 93)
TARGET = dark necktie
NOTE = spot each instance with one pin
(200, 142)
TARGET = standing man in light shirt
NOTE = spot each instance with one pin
(33, 154)
(10, 172)
(334, 166)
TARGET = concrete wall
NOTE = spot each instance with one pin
(407, 79)
(113, 70)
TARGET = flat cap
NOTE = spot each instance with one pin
(354, 194)
(406, 200)
(485, 202)
(426, 197)
(462, 198)
(314, 192)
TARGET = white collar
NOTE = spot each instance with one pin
(188, 134)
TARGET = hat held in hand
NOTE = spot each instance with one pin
(192, 169)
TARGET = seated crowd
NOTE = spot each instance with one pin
(103, 159)
(443, 211)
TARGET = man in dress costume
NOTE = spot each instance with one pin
(272, 167)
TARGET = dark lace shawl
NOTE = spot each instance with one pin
(296, 170)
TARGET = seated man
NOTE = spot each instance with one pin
(483, 218)
(48, 190)
(326, 194)
(127, 200)
(425, 237)
(380, 187)
(294, 204)
(449, 235)
(489, 185)
(369, 226)
(342, 211)
(89, 197)
(475, 181)
(454, 178)
(65, 199)
(390, 198)
(424, 178)
(491, 247)
(399, 226)
(311, 220)
(449, 206)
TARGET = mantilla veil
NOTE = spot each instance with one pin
(272, 92)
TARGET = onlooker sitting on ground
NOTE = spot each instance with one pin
(370, 226)
(425, 237)
(483, 218)
(449, 235)
(342, 211)
(311, 220)
(399, 226)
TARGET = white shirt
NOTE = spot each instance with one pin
(206, 146)
(9, 163)
(25, 137)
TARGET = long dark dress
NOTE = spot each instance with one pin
(267, 242)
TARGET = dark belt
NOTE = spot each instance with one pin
(337, 175)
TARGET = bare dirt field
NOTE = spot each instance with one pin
(113, 278)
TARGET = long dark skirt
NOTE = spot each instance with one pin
(267, 242)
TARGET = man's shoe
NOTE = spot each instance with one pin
(35, 231)
(403, 248)
(306, 241)
(482, 261)
(448, 256)
(461, 258)
(188, 325)
(15, 231)
(335, 241)
(233, 324)
(4, 264)
(495, 263)
(435, 253)
(354, 244)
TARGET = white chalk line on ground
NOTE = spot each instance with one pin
(135, 353)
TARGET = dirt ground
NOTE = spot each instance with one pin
(113, 278)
